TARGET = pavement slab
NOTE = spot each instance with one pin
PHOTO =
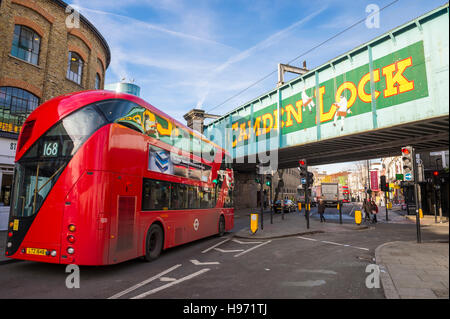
(420, 271)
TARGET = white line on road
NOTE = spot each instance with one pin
(248, 250)
(173, 283)
(228, 250)
(333, 243)
(197, 263)
(247, 242)
(212, 247)
(142, 283)
(307, 238)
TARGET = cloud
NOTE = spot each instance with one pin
(256, 49)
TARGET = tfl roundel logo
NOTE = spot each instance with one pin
(196, 224)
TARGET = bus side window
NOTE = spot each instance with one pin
(147, 203)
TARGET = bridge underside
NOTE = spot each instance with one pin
(428, 135)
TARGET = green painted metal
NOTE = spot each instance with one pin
(397, 78)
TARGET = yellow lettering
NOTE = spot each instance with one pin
(242, 133)
(291, 112)
(328, 115)
(397, 83)
(267, 128)
(367, 98)
(234, 127)
(353, 93)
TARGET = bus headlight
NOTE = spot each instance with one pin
(53, 253)
(70, 250)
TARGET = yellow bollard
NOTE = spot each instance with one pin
(420, 213)
(299, 206)
(358, 217)
(253, 223)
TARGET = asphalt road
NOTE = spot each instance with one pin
(327, 265)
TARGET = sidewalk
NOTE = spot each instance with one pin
(294, 224)
(414, 271)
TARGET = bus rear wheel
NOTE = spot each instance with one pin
(154, 242)
(221, 226)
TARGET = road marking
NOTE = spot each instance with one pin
(228, 250)
(167, 279)
(307, 238)
(333, 243)
(173, 283)
(248, 250)
(142, 283)
(212, 247)
(197, 263)
(247, 242)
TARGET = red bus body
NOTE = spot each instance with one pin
(346, 194)
(100, 192)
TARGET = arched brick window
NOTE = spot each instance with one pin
(75, 67)
(26, 44)
(15, 106)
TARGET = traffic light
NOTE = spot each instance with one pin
(436, 179)
(268, 180)
(310, 179)
(408, 163)
(383, 184)
(303, 171)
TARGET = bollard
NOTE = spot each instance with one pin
(420, 213)
(358, 217)
(253, 223)
(299, 206)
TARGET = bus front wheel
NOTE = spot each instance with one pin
(154, 242)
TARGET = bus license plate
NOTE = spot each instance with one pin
(36, 251)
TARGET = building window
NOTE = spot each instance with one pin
(15, 106)
(75, 67)
(97, 81)
(26, 44)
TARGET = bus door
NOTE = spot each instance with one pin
(123, 232)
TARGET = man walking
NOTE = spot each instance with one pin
(321, 210)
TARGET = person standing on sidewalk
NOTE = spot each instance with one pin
(374, 209)
(366, 208)
(321, 210)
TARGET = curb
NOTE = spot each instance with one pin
(390, 292)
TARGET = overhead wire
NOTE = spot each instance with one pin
(302, 54)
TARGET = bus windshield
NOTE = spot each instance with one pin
(37, 171)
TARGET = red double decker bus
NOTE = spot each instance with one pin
(103, 177)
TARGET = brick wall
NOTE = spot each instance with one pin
(48, 78)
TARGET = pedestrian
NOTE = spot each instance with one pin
(374, 209)
(321, 210)
(366, 208)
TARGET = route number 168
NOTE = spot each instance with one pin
(50, 149)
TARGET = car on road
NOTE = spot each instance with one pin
(285, 206)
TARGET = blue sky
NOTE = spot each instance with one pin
(188, 54)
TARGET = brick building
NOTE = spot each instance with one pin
(46, 50)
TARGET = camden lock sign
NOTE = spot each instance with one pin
(396, 78)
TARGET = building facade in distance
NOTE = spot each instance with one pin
(46, 50)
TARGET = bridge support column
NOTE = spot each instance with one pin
(245, 191)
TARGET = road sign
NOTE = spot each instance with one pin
(303, 180)
(408, 177)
